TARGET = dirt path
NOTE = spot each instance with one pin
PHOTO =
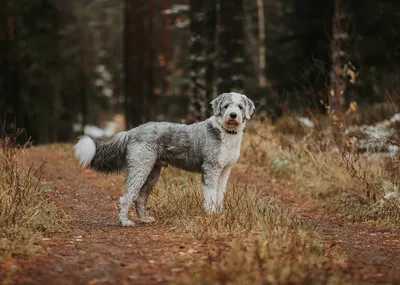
(93, 249)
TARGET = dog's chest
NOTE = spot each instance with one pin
(229, 150)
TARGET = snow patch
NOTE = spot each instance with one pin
(306, 122)
(177, 8)
(96, 132)
(392, 195)
(377, 136)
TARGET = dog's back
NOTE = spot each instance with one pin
(179, 145)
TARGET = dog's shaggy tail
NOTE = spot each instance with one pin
(103, 156)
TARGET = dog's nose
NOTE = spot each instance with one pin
(233, 115)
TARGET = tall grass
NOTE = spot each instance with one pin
(263, 240)
(354, 184)
(24, 211)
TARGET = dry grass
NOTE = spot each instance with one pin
(178, 199)
(354, 185)
(264, 242)
(372, 114)
(24, 211)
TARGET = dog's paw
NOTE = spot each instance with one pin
(148, 220)
(126, 223)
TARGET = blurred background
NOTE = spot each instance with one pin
(101, 66)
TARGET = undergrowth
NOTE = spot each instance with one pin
(25, 213)
(354, 184)
(267, 243)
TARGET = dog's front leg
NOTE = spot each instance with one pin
(223, 180)
(211, 176)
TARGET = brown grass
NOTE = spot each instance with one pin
(265, 243)
(354, 184)
(25, 212)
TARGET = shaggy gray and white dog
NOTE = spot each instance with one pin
(210, 147)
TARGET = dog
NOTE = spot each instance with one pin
(210, 147)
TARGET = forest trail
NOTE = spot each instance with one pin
(93, 249)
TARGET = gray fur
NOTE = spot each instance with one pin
(110, 155)
(209, 147)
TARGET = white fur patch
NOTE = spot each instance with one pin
(230, 149)
(230, 146)
(85, 150)
(237, 97)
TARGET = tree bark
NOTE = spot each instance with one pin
(138, 76)
(11, 98)
(198, 95)
(151, 96)
(166, 47)
(340, 55)
(127, 62)
(210, 51)
(262, 81)
(231, 46)
(84, 78)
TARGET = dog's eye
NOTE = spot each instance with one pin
(240, 107)
(226, 106)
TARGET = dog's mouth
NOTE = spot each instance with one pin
(232, 123)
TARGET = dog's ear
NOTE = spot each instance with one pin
(249, 107)
(216, 104)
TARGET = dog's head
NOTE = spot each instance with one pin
(232, 109)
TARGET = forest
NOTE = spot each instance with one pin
(312, 182)
(67, 64)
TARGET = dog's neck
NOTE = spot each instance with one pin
(231, 132)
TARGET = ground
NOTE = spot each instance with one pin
(92, 249)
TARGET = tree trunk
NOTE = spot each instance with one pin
(11, 106)
(138, 76)
(84, 99)
(127, 62)
(262, 81)
(198, 95)
(224, 82)
(250, 36)
(340, 55)
(151, 96)
(166, 47)
(231, 46)
(134, 63)
(210, 51)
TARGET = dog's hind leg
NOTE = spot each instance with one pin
(141, 201)
(140, 164)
